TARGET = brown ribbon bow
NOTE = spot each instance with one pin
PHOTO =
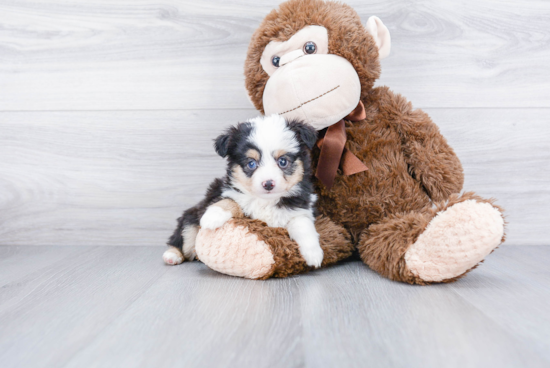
(334, 153)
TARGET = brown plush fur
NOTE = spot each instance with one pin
(410, 165)
(333, 239)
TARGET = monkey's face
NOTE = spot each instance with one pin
(314, 60)
(308, 83)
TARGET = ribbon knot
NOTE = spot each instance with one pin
(334, 153)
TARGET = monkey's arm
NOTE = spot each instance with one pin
(431, 160)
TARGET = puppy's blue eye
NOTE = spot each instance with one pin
(252, 165)
(283, 162)
(275, 61)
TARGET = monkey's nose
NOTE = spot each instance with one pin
(268, 185)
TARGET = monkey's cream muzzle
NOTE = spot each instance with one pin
(317, 89)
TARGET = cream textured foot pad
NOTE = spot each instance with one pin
(234, 251)
(455, 241)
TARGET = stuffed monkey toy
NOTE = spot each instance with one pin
(388, 182)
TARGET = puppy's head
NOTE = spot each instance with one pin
(268, 156)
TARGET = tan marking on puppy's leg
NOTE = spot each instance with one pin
(172, 256)
(296, 177)
(252, 153)
(189, 236)
(231, 206)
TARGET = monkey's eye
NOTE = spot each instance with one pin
(275, 61)
(283, 162)
(310, 47)
(252, 164)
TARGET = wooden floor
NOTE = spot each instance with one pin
(121, 307)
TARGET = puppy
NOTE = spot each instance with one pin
(268, 178)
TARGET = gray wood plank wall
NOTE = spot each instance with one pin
(108, 107)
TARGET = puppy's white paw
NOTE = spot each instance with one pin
(172, 257)
(312, 253)
(214, 217)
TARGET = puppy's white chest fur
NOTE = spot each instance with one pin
(267, 210)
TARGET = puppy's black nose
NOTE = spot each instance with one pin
(268, 184)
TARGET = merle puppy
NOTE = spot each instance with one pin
(268, 178)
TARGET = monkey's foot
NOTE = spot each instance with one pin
(455, 241)
(234, 250)
(249, 248)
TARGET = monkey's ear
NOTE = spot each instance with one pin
(381, 35)
(305, 132)
(222, 144)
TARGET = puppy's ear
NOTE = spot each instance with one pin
(222, 144)
(305, 132)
